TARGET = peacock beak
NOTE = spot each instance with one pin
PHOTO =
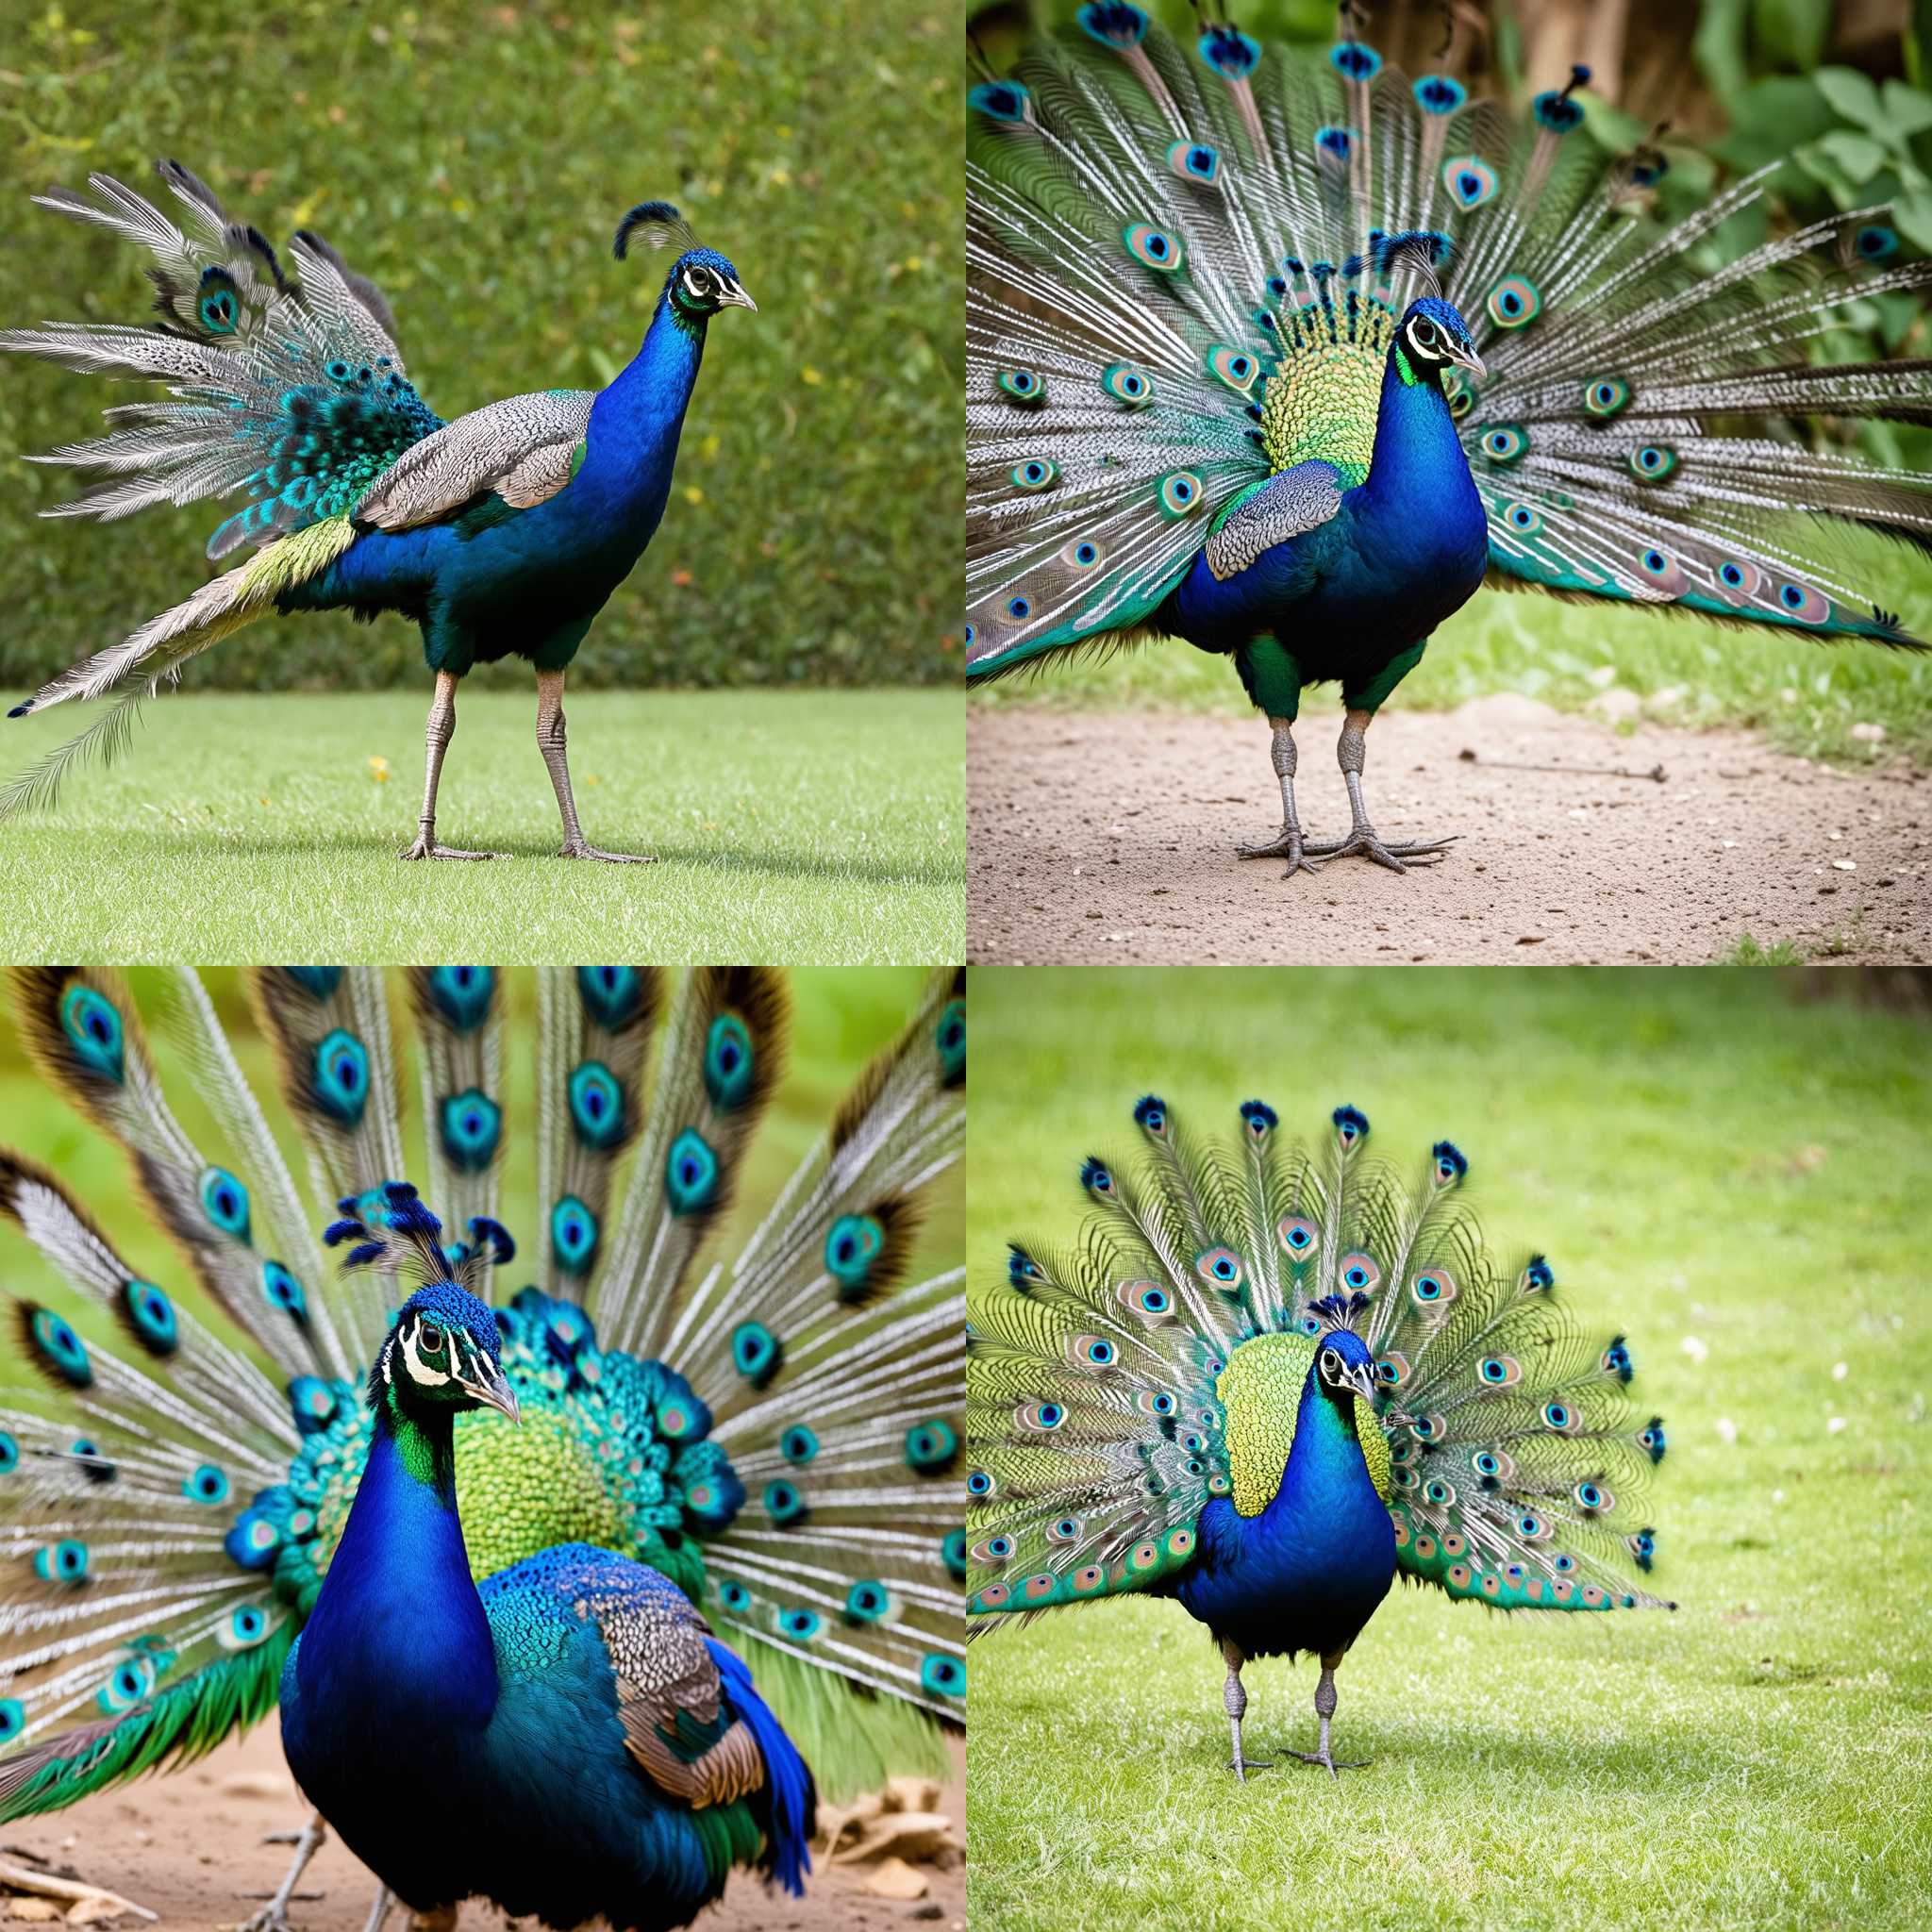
(733, 296)
(1362, 1378)
(492, 1389)
(1469, 359)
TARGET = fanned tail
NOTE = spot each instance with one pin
(136, 1635)
(1101, 1379)
(837, 1392)
(289, 391)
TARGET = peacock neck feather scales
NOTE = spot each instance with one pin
(1263, 1392)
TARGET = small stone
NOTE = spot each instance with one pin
(41, 1910)
(896, 1878)
(1845, 865)
(1869, 734)
(255, 1784)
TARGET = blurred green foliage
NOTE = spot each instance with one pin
(475, 161)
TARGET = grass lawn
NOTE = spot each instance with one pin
(1704, 1159)
(1804, 696)
(821, 826)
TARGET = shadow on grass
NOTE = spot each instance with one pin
(939, 872)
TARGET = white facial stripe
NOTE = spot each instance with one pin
(419, 1370)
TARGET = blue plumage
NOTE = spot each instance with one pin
(1307, 1574)
(569, 1741)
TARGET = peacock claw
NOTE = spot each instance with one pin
(1336, 1766)
(1288, 846)
(1397, 858)
(428, 848)
(577, 848)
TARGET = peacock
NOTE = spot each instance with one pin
(577, 1701)
(771, 1431)
(1216, 390)
(1269, 1380)
(503, 533)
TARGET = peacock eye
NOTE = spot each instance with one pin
(1424, 334)
(429, 1337)
(1331, 1364)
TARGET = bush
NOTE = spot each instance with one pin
(476, 162)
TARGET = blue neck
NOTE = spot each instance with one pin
(1325, 1469)
(398, 1628)
(632, 440)
(1418, 457)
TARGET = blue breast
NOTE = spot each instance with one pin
(1307, 1572)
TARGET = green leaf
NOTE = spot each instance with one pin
(1771, 117)
(1852, 95)
(1858, 156)
(1908, 110)
(1718, 47)
(1913, 213)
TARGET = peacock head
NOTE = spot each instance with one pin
(701, 280)
(444, 1353)
(1344, 1368)
(1433, 337)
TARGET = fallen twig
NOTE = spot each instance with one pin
(44, 1885)
(1655, 774)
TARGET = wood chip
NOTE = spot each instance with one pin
(896, 1878)
(44, 1885)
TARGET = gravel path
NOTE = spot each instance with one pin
(1099, 838)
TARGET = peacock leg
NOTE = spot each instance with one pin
(273, 1916)
(1325, 1709)
(1361, 837)
(437, 734)
(384, 1904)
(1289, 846)
(1236, 1699)
(550, 740)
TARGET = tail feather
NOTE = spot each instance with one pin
(156, 652)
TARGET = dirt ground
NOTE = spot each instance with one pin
(1095, 840)
(187, 1846)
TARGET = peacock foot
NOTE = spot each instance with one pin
(1364, 839)
(1336, 1765)
(1241, 1766)
(427, 847)
(1288, 846)
(577, 848)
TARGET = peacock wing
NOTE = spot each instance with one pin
(524, 449)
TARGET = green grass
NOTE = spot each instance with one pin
(1804, 696)
(789, 827)
(1702, 1156)
(475, 161)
